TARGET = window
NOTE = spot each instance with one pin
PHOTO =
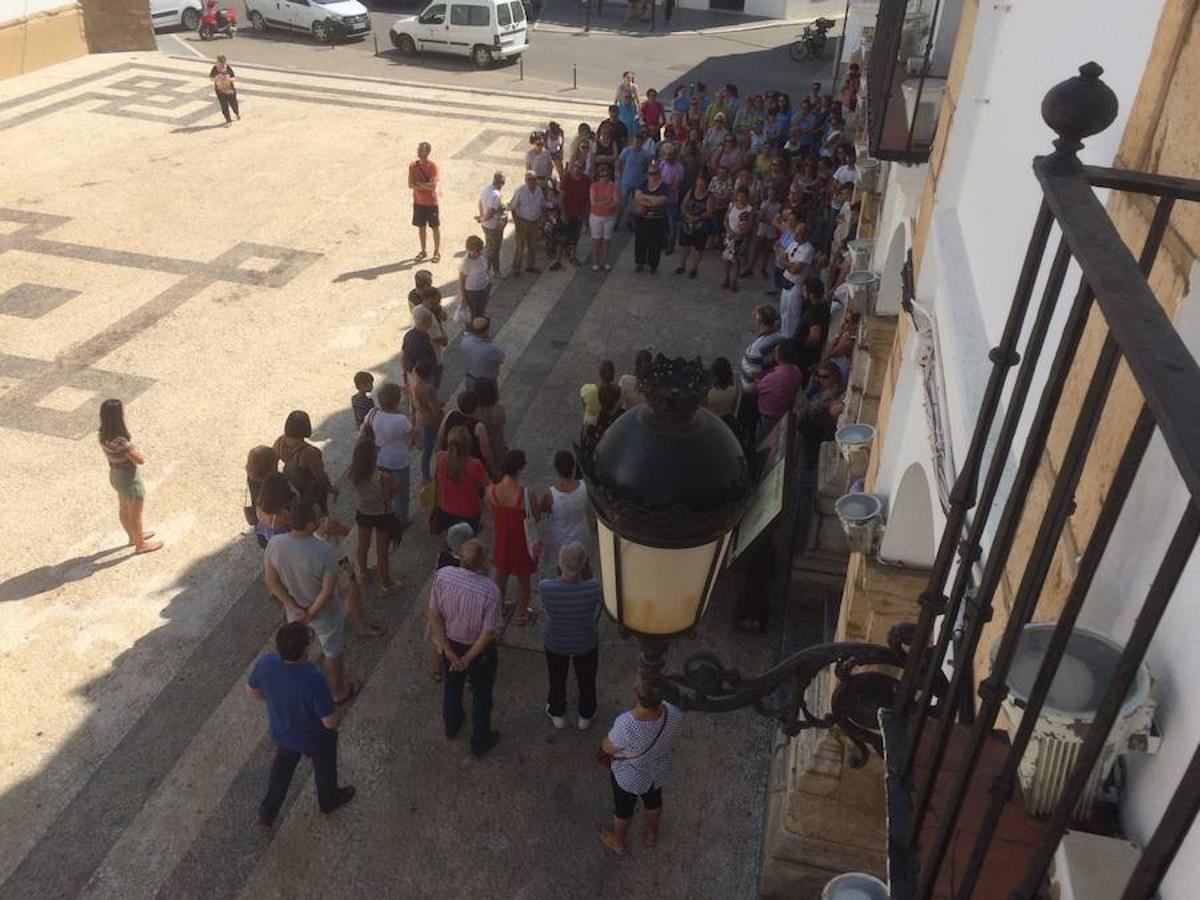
(503, 16)
(460, 14)
(481, 16)
(518, 11)
(434, 15)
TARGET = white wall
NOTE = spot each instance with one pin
(19, 9)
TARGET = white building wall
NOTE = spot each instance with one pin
(12, 10)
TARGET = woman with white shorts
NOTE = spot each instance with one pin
(603, 219)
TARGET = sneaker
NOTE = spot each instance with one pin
(558, 721)
(595, 267)
(607, 267)
(493, 740)
(345, 795)
(584, 724)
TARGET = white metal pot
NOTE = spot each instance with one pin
(862, 250)
(863, 289)
(869, 171)
(861, 516)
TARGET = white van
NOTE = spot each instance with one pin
(325, 20)
(168, 13)
(485, 30)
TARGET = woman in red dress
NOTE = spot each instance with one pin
(511, 504)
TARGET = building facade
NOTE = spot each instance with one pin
(39, 33)
(954, 92)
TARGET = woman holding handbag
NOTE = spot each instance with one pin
(517, 545)
(637, 752)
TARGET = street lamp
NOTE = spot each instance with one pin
(669, 482)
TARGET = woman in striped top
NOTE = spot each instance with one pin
(638, 752)
(123, 461)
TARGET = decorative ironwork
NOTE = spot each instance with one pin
(863, 686)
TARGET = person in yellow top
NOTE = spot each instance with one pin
(631, 394)
(589, 394)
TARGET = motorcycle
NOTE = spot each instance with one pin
(811, 43)
(216, 22)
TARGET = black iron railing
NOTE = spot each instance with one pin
(1140, 334)
(893, 131)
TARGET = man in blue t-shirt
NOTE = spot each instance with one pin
(631, 173)
(303, 721)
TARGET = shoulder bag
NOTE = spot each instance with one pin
(533, 538)
(606, 759)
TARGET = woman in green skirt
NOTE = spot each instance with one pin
(123, 462)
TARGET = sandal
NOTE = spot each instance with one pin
(146, 535)
(436, 258)
(420, 256)
(148, 547)
(369, 631)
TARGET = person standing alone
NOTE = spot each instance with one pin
(222, 78)
(464, 619)
(423, 179)
(123, 462)
(303, 722)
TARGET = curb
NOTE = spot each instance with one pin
(691, 32)
(339, 76)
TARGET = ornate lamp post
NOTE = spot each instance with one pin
(669, 483)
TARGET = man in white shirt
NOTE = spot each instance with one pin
(526, 206)
(794, 262)
(492, 218)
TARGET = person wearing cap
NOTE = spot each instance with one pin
(492, 219)
(570, 637)
(526, 206)
(714, 137)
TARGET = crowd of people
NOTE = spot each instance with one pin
(766, 186)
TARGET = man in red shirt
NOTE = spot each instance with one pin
(423, 179)
(652, 114)
(575, 190)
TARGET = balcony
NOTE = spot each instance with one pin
(906, 76)
(956, 827)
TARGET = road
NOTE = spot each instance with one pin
(563, 61)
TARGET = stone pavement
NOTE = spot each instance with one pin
(216, 278)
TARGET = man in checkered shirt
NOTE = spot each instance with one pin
(465, 619)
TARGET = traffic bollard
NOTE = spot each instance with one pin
(575, 77)
(521, 63)
(376, 37)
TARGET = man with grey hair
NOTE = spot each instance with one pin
(526, 205)
(492, 219)
(572, 605)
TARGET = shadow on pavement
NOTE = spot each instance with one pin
(48, 578)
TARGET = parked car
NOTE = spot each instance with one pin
(170, 13)
(485, 30)
(325, 20)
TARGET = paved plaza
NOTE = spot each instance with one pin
(215, 279)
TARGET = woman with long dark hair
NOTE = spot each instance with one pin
(123, 462)
(373, 488)
(302, 462)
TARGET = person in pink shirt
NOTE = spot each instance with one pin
(777, 389)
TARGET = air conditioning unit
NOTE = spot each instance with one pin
(861, 516)
(923, 111)
(1091, 866)
(1082, 678)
